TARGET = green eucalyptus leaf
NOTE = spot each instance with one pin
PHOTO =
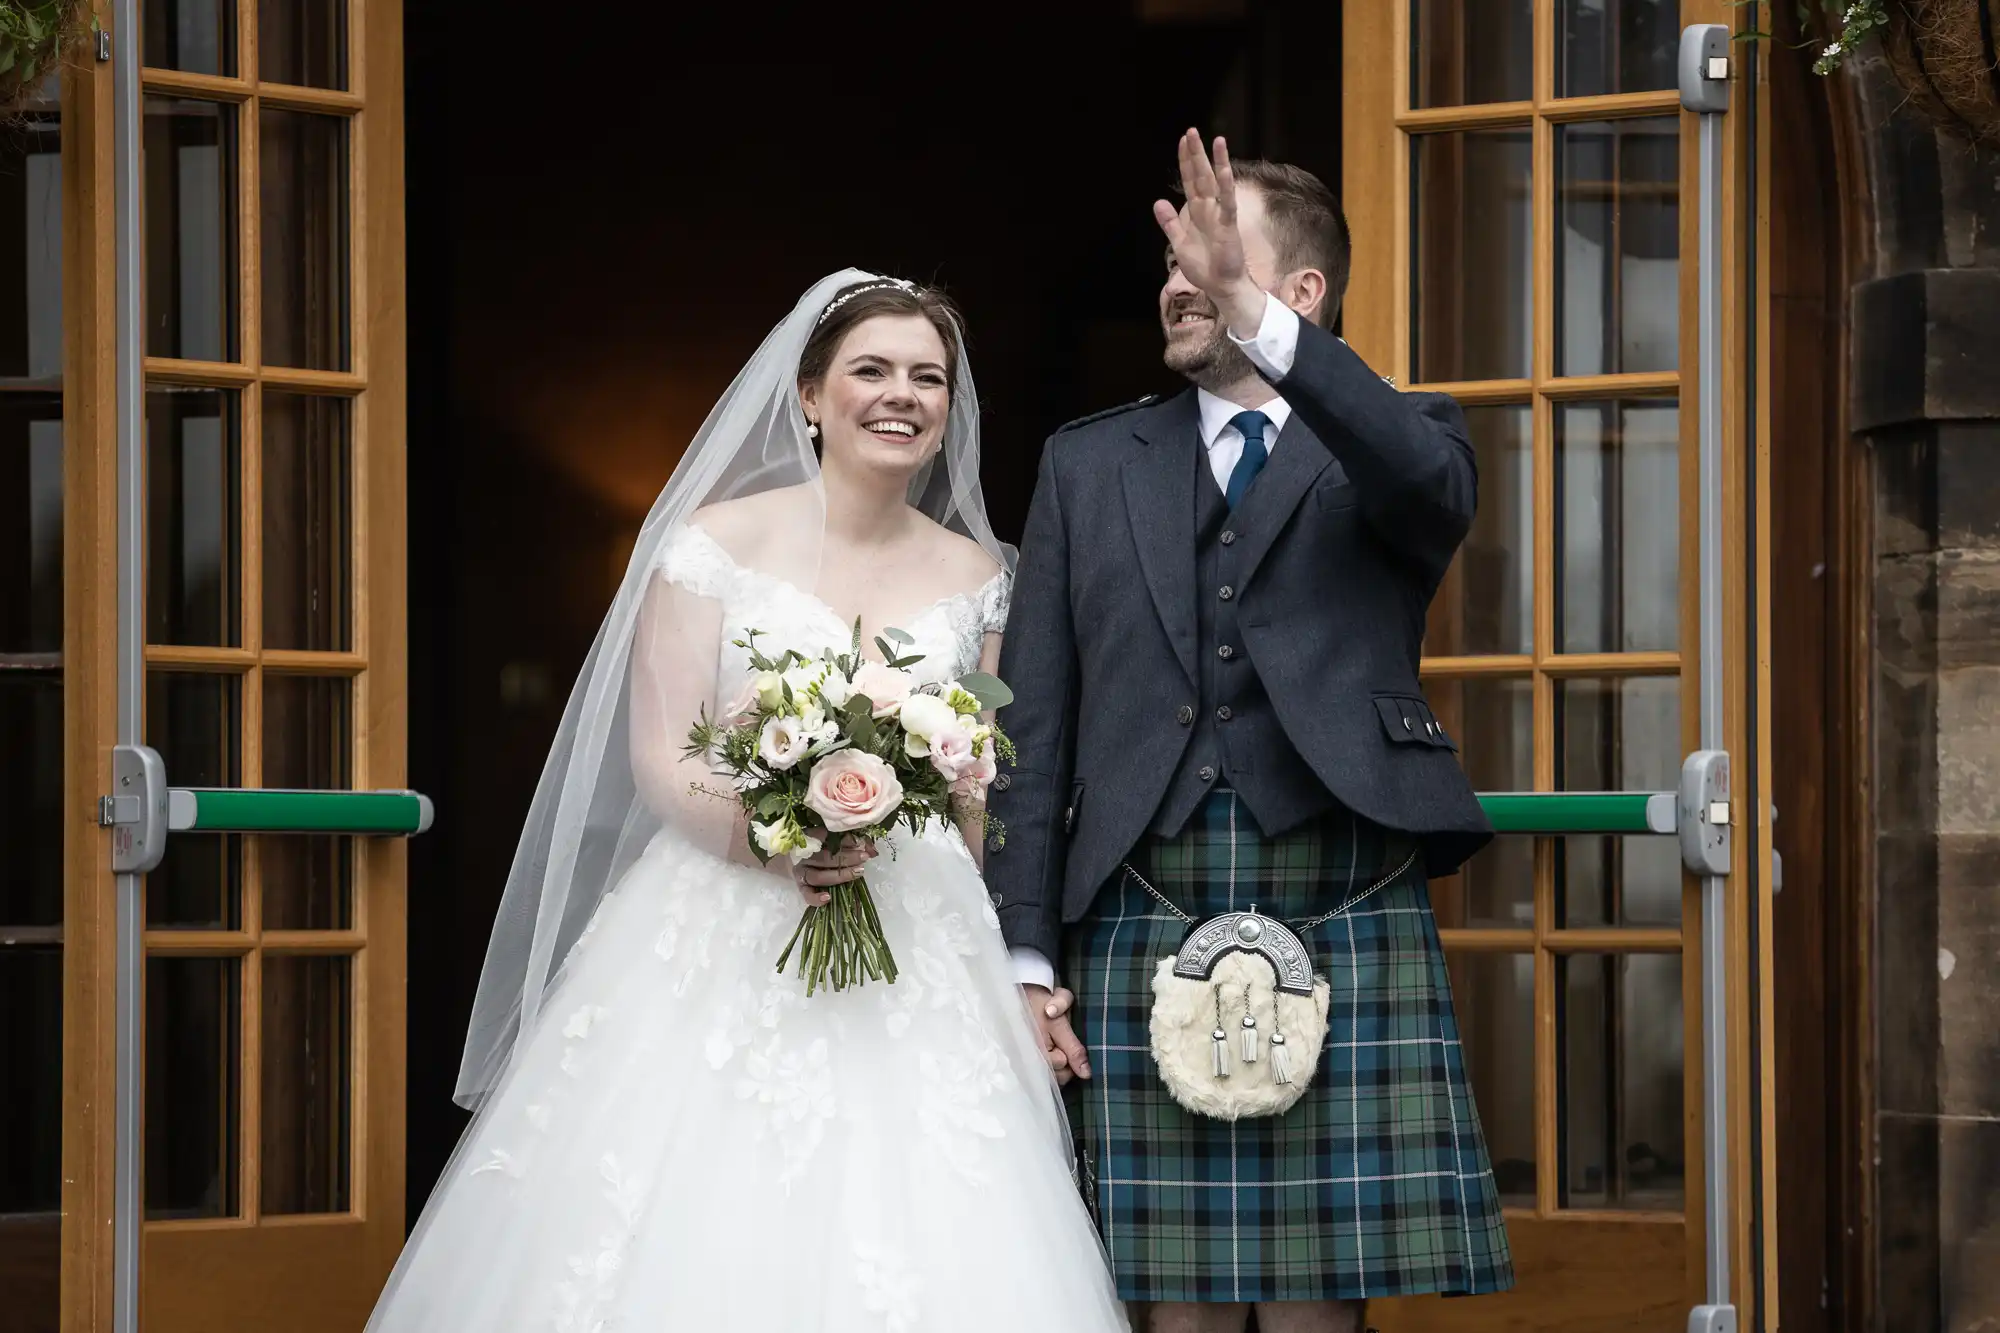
(991, 691)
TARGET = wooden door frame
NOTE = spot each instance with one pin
(1815, 240)
(90, 699)
(1377, 190)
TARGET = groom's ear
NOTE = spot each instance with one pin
(1306, 292)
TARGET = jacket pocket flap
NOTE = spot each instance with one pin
(1402, 719)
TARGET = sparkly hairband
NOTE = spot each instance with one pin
(901, 284)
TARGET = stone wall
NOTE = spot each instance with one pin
(1925, 382)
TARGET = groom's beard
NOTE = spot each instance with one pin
(1212, 362)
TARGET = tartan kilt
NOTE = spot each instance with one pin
(1377, 1182)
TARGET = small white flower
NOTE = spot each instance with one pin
(784, 837)
(836, 689)
(770, 689)
(783, 742)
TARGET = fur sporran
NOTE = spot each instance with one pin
(1239, 1013)
(1238, 1018)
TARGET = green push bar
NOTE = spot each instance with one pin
(1553, 813)
(407, 813)
(394, 814)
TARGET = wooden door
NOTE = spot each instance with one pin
(273, 975)
(1520, 179)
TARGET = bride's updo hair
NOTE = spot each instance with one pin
(880, 296)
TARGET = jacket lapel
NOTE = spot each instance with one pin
(1159, 502)
(1297, 459)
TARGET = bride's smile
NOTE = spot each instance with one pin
(883, 406)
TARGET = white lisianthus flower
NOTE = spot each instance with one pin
(811, 716)
(782, 742)
(924, 716)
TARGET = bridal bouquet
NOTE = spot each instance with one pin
(822, 751)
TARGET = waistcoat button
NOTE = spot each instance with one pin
(1225, 652)
(1185, 716)
(1226, 593)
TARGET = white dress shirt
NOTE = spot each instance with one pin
(1272, 351)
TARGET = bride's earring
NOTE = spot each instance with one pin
(812, 430)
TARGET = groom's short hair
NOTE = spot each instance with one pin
(1308, 229)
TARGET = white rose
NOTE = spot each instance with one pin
(924, 716)
(782, 742)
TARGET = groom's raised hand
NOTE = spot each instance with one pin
(1207, 243)
(1060, 1044)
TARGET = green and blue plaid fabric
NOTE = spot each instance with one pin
(1377, 1183)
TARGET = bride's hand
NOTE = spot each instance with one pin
(822, 870)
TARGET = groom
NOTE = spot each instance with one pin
(1216, 626)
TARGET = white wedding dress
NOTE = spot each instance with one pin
(686, 1143)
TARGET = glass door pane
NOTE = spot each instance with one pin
(31, 715)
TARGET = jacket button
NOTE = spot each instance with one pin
(1002, 781)
(1185, 716)
(1228, 538)
(1207, 774)
(1222, 714)
(1226, 593)
(1225, 652)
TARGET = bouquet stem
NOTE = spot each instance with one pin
(841, 943)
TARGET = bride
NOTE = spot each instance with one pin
(671, 1135)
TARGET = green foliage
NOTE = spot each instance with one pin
(1837, 27)
(35, 36)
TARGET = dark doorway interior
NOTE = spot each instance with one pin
(609, 208)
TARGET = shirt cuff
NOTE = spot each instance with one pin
(1031, 969)
(1276, 345)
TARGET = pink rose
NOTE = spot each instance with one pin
(886, 687)
(852, 789)
(952, 751)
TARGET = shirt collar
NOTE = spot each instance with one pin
(1216, 412)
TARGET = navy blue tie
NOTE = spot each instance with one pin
(1253, 425)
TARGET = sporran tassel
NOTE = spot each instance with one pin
(1249, 1030)
(1221, 1039)
(1281, 1062)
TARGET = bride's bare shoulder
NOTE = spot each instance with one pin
(962, 562)
(744, 525)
